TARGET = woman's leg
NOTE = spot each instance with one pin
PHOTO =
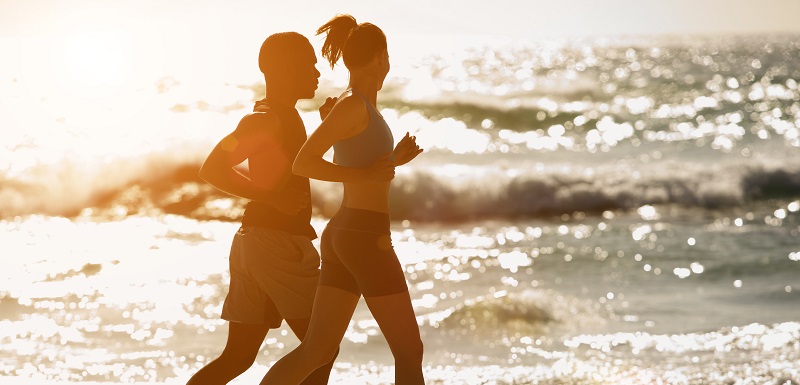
(244, 341)
(331, 314)
(363, 244)
(397, 321)
(321, 375)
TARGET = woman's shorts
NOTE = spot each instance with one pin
(357, 254)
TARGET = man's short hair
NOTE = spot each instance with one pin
(281, 48)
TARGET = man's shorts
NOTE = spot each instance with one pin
(274, 276)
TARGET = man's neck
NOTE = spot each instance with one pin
(279, 99)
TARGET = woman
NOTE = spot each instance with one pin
(357, 254)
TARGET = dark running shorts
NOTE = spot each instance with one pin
(274, 277)
(357, 254)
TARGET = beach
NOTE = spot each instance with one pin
(619, 211)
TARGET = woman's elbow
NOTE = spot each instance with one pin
(209, 172)
(299, 167)
(203, 172)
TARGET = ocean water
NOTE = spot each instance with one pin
(613, 211)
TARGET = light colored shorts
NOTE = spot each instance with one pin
(274, 277)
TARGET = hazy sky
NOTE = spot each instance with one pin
(123, 43)
(519, 17)
(228, 27)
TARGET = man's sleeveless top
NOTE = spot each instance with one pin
(264, 215)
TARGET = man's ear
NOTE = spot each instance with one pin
(286, 69)
(278, 72)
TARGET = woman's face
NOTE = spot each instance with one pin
(383, 66)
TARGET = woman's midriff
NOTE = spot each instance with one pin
(367, 196)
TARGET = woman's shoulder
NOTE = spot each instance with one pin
(348, 117)
(351, 104)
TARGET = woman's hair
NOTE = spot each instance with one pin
(356, 43)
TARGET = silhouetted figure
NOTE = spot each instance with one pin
(357, 254)
(273, 265)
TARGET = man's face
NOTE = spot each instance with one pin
(304, 74)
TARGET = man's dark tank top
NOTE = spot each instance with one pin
(263, 215)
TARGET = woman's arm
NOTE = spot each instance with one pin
(406, 150)
(347, 118)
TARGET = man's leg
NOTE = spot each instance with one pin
(244, 341)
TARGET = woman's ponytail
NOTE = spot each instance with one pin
(338, 30)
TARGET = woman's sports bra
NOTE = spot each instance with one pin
(373, 142)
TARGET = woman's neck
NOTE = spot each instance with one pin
(366, 88)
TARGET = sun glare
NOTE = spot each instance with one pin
(93, 64)
(91, 69)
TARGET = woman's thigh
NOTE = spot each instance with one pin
(371, 260)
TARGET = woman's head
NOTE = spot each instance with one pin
(357, 44)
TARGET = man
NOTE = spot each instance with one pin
(274, 267)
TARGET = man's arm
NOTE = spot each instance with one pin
(254, 132)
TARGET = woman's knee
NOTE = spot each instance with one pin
(419, 350)
(318, 356)
(411, 351)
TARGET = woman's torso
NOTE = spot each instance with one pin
(362, 150)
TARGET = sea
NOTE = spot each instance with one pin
(587, 211)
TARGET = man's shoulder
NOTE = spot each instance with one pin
(267, 115)
(260, 120)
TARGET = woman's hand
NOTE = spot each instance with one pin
(406, 150)
(380, 171)
(326, 107)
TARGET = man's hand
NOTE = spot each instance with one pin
(326, 107)
(289, 201)
(406, 150)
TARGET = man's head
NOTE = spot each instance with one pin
(288, 63)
